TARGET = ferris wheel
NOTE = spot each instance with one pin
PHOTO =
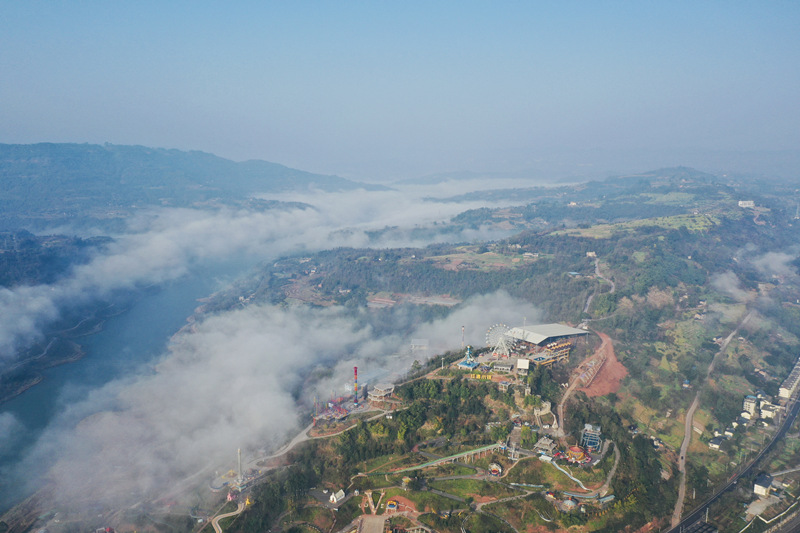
(499, 341)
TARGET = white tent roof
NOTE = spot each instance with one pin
(542, 332)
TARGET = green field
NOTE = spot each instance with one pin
(605, 231)
(448, 469)
(475, 488)
(425, 501)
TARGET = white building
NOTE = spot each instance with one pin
(504, 367)
(789, 386)
(749, 406)
(762, 485)
(336, 497)
(769, 410)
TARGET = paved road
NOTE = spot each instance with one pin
(606, 342)
(688, 429)
(599, 275)
(699, 512)
(216, 519)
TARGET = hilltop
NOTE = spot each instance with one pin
(56, 183)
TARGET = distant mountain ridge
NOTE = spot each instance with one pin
(55, 181)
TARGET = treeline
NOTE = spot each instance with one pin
(348, 275)
(639, 471)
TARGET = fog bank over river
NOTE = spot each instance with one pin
(159, 413)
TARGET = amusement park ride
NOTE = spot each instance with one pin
(499, 341)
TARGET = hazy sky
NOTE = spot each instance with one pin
(379, 89)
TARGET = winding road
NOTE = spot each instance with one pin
(216, 519)
(599, 275)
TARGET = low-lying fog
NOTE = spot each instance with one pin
(227, 382)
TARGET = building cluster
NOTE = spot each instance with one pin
(758, 407)
(591, 437)
(519, 349)
(762, 485)
(789, 386)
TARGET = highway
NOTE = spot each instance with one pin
(700, 511)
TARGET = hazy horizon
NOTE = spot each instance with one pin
(378, 92)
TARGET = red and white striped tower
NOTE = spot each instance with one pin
(355, 386)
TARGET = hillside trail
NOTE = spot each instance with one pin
(687, 432)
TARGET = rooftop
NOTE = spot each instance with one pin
(540, 333)
(763, 480)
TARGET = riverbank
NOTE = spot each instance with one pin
(28, 373)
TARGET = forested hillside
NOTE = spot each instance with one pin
(50, 183)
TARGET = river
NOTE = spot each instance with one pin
(126, 344)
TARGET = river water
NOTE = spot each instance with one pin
(126, 344)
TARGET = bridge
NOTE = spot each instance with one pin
(469, 454)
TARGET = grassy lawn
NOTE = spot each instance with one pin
(319, 516)
(671, 432)
(475, 488)
(528, 471)
(399, 462)
(377, 463)
(557, 480)
(424, 501)
(589, 477)
(525, 512)
(480, 523)
(451, 524)
(375, 482)
(448, 469)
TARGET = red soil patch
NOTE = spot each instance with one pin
(405, 503)
(612, 373)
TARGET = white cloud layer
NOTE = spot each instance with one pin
(163, 244)
(228, 382)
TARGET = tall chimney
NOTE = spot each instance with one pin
(239, 452)
(355, 386)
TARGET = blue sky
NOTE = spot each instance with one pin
(379, 89)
